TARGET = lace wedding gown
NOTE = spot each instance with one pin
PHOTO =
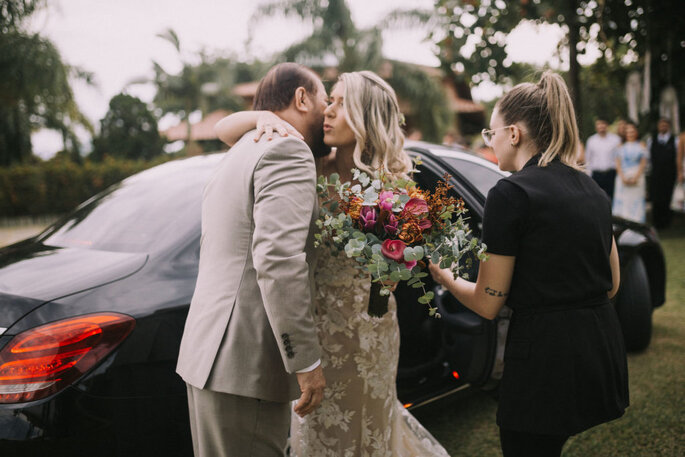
(360, 415)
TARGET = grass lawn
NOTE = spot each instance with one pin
(654, 425)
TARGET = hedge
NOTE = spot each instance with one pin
(58, 186)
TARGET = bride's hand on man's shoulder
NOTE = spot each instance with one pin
(268, 123)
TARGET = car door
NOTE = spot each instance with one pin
(468, 344)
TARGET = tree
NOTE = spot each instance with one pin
(471, 35)
(604, 96)
(647, 33)
(204, 86)
(35, 91)
(128, 131)
(336, 42)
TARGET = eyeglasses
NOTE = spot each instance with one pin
(488, 134)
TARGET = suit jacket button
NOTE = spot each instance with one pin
(291, 354)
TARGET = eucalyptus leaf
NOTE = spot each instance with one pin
(405, 274)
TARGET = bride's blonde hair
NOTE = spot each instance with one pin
(373, 115)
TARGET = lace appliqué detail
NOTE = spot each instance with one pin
(360, 415)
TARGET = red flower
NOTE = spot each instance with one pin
(416, 206)
(393, 249)
(425, 224)
(410, 264)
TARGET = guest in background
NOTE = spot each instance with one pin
(629, 190)
(662, 153)
(599, 156)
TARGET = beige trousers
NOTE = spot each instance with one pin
(225, 425)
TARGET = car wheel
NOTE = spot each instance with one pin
(634, 306)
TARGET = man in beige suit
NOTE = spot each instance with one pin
(250, 346)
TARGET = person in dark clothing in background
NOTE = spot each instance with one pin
(662, 153)
(553, 260)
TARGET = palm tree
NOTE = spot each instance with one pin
(205, 86)
(35, 89)
(336, 41)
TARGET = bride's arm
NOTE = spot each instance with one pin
(231, 128)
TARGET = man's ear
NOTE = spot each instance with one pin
(301, 99)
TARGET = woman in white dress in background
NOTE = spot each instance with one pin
(360, 414)
(630, 184)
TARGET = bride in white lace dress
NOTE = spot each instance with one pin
(360, 414)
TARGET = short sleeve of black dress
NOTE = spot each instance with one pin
(504, 220)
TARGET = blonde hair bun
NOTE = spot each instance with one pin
(546, 109)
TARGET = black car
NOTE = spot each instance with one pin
(92, 312)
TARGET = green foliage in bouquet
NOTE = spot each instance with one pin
(392, 228)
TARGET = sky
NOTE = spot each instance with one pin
(116, 40)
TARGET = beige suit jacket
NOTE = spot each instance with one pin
(249, 327)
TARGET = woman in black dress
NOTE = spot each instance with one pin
(553, 260)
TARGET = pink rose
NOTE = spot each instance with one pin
(416, 206)
(385, 200)
(394, 250)
(410, 264)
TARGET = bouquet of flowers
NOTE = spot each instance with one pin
(390, 227)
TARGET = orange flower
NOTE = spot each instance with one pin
(353, 207)
(410, 232)
(415, 192)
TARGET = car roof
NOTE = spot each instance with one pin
(456, 152)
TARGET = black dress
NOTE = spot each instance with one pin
(662, 180)
(565, 367)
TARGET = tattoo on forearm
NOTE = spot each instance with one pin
(495, 293)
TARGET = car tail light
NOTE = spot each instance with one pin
(43, 360)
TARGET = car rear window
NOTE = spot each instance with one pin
(139, 213)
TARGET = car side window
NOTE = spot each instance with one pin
(480, 176)
(428, 180)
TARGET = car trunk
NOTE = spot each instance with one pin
(35, 274)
